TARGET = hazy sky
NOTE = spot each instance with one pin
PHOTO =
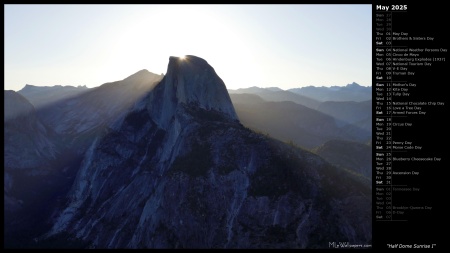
(248, 45)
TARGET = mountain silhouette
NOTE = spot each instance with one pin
(180, 171)
(175, 168)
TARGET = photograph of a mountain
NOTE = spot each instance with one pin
(174, 161)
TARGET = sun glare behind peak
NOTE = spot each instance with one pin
(182, 57)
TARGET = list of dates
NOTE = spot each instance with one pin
(409, 111)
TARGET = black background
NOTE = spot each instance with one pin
(422, 227)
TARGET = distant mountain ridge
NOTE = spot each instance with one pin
(81, 111)
(350, 92)
(291, 122)
(40, 96)
(278, 95)
(354, 118)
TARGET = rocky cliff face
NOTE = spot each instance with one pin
(179, 171)
(80, 117)
(189, 81)
(27, 143)
(44, 146)
(30, 152)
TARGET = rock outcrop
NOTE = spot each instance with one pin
(180, 171)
